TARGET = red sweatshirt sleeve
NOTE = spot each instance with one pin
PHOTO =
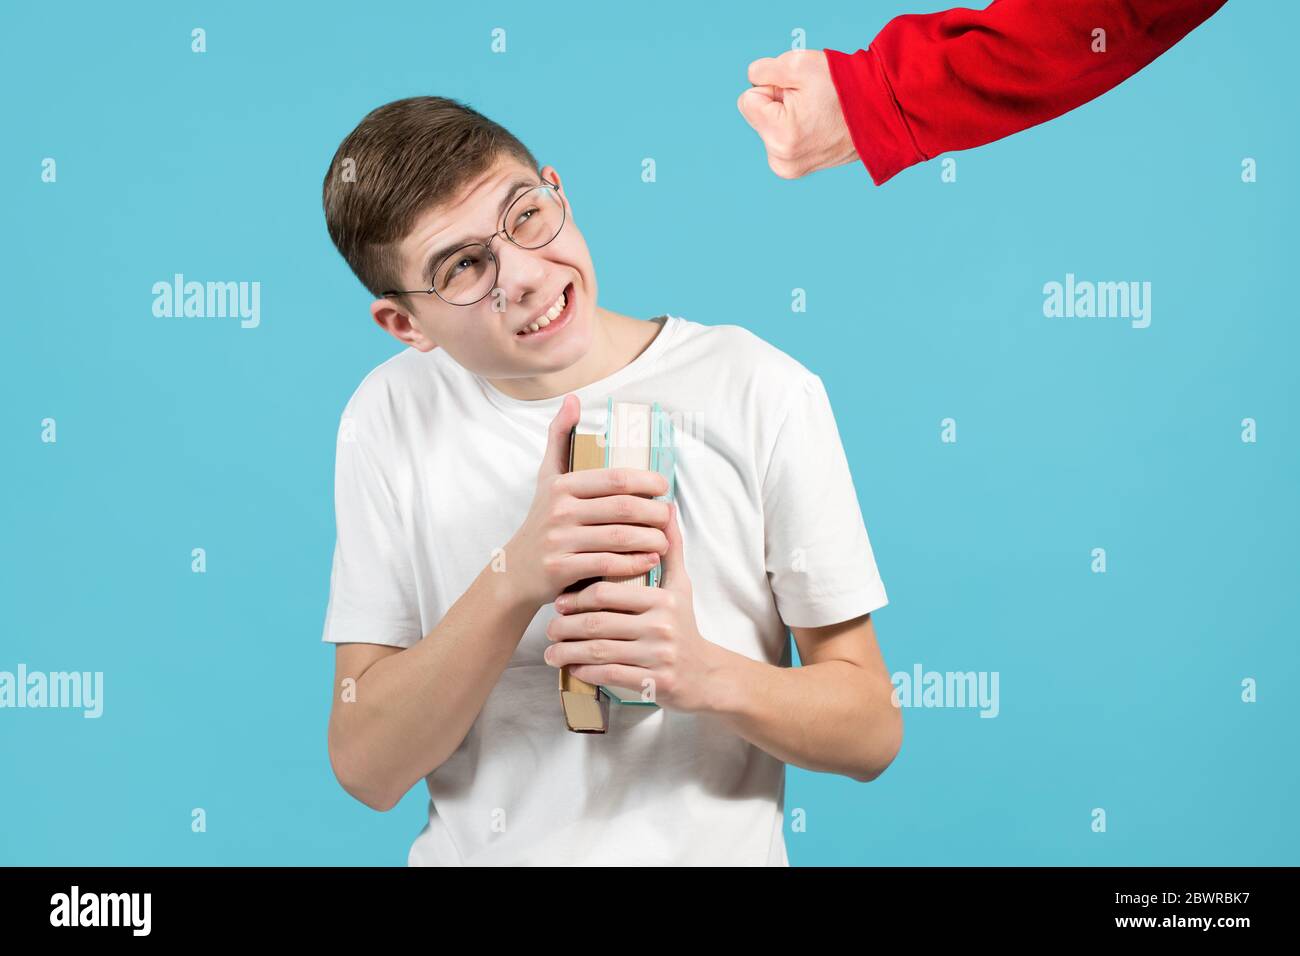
(932, 83)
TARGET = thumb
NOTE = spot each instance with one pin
(674, 559)
(772, 71)
(555, 460)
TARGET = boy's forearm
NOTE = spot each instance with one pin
(413, 708)
(832, 717)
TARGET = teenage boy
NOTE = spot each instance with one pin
(458, 528)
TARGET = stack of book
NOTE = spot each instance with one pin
(636, 436)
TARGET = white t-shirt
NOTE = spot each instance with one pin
(436, 467)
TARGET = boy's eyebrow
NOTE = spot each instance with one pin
(436, 256)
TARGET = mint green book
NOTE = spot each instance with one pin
(640, 436)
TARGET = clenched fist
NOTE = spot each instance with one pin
(794, 108)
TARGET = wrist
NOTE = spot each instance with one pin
(504, 586)
(880, 135)
(725, 686)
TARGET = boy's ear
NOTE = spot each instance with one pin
(551, 175)
(396, 321)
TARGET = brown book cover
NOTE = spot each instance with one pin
(586, 708)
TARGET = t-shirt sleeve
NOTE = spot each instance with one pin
(373, 598)
(820, 565)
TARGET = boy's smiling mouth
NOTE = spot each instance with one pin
(556, 317)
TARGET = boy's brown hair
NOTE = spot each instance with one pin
(402, 159)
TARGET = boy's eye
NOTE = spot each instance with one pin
(463, 262)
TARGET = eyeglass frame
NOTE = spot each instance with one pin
(487, 244)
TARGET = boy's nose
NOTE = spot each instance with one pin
(521, 272)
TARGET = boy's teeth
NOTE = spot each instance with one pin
(551, 315)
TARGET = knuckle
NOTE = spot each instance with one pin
(591, 623)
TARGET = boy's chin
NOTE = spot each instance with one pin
(560, 350)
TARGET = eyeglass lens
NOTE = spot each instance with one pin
(468, 274)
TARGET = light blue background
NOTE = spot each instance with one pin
(1119, 691)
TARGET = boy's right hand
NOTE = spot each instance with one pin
(586, 524)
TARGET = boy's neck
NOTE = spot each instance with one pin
(616, 340)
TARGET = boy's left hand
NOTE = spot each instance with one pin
(626, 634)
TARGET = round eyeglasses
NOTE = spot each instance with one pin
(467, 274)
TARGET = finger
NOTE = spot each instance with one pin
(769, 92)
(674, 561)
(622, 509)
(605, 627)
(760, 110)
(604, 564)
(619, 538)
(625, 596)
(617, 675)
(596, 482)
(597, 652)
(555, 460)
